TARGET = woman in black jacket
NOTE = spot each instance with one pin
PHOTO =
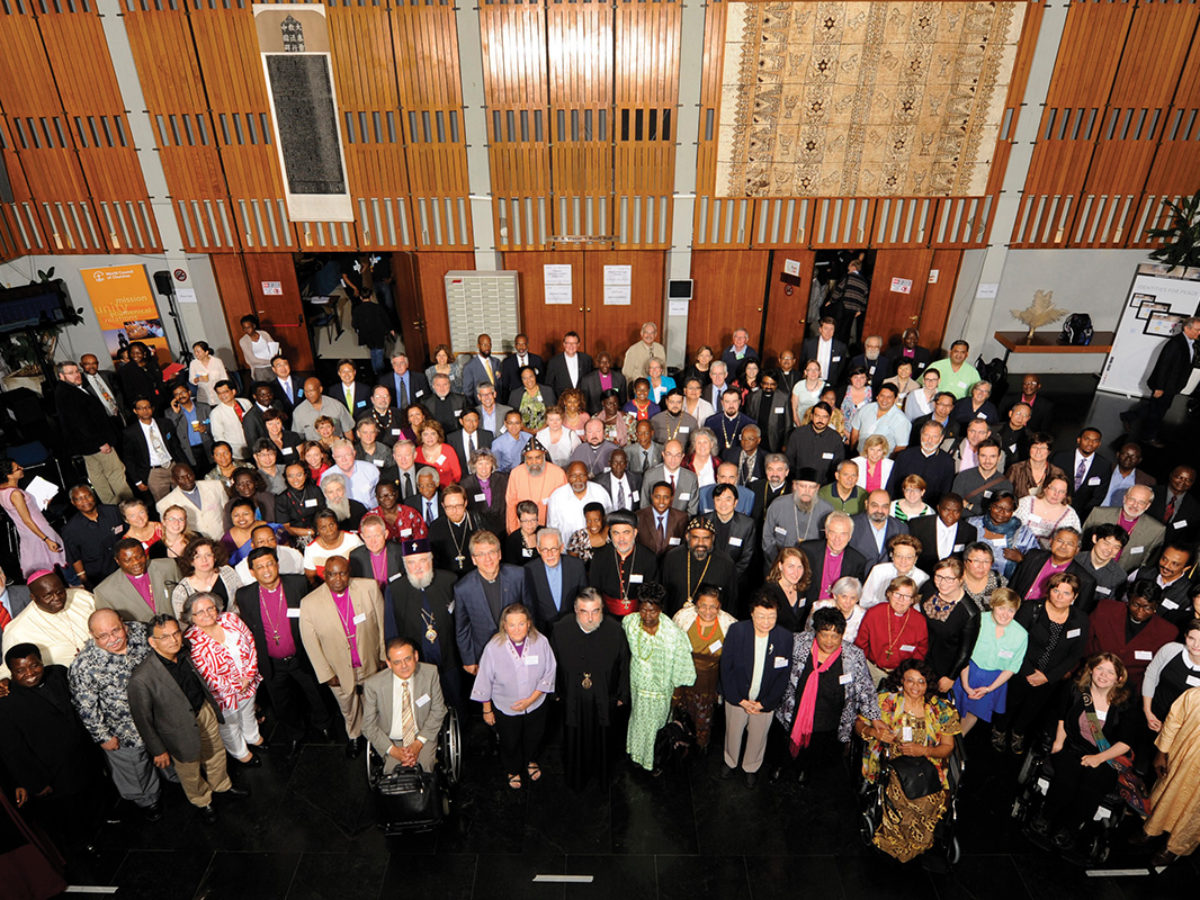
(949, 613)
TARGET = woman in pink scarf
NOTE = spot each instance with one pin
(828, 689)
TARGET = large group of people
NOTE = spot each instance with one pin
(826, 552)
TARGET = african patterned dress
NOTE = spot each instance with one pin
(906, 830)
(700, 699)
(659, 663)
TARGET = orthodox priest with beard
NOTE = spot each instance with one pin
(593, 684)
(684, 569)
(420, 607)
(622, 566)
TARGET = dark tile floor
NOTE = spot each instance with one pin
(308, 830)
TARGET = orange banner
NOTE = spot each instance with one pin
(125, 309)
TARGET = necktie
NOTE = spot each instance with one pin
(620, 495)
(98, 383)
(487, 367)
(401, 393)
(350, 398)
(1079, 473)
(159, 450)
(5, 618)
(429, 511)
(408, 724)
(471, 438)
(407, 485)
(1169, 513)
(745, 469)
(662, 527)
(672, 484)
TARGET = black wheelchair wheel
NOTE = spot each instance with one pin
(450, 747)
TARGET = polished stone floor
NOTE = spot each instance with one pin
(308, 830)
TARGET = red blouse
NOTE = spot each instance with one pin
(215, 665)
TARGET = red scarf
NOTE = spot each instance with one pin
(805, 713)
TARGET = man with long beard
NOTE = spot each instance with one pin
(535, 480)
(593, 682)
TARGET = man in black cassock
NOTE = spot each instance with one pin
(593, 686)
(684, 569)
(419, 605)
(619, 567)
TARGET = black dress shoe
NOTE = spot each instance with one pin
(352, 748)
(293, 749)
(152, 813)
(751, 780)
(240, 793)
(776, 775)
(253, 763)
(259, 748)
(726, 773)
(208, 814)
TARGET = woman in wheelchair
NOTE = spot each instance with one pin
(1090, 751)
(910, 749)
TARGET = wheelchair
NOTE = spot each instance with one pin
(1033, 784)
(409, 800)
(874, 800)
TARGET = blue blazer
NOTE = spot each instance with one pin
(475, 622)
(737, 664)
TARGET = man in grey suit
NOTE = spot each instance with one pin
(179, 719)
(475, 372)
(140, 586)
(491, 413)
(403, 709)
(681, 480)
(874, 528)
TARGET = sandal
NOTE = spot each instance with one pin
(535, 772)
(514, 782)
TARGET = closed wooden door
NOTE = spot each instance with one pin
(728, 293)
(611, 324)
(264, 285)
(912, 288)
(787, 305)
(545, 323)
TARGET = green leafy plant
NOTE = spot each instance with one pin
(1181, 241)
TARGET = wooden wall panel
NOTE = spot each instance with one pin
(787, 306)
(727, 294)
(939, 296)
(546, 324)
(431, 267)
(280, 314)
(890, 312)
(615, 328)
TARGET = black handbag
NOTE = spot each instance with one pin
(918, 777)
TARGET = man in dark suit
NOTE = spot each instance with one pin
(620, 482)
(103, 386)
(88, 431)
(749, 456)
(839, 528)
(1029, 579)
(1172, 368)
(443, 404)
(178, 718)
(468, 438)
(872, 359)
(660, 526)
(553, 580)
(254, 426)
(450, 533)
(828, 350)
(908, 349)
(1041, 410)
(149, 450)
(1175, 507)
(520, 358)
(593, 383)
(287, 387)
(770, 488)
(736, 533)
(928, 460)
(816, 446)
(480, 597)
(271, 610)
(420, 605)
(943, 407)
(942, 535)
(407, 385)
(567, 369)
(1088, 470)
(874, 528)
(349, 391)
(373, 532)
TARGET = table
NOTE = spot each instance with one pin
(1047, 342)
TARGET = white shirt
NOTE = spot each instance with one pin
(945, 538)
(159, 455)
(702, 410)
(573, 368)
(564, 510)
(291, 562)
(398, 695)
(631, 496)
(760, 659)
(1117, 483)
(824, 354)
(1087, 467)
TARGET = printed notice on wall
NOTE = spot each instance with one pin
(556, 278)
(272, 288)
(901, 285)
(618, 285)
(791, 267)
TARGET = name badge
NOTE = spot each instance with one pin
(714, 646)
(958, 548)
(394, 577)
(781, 662)
(450, 607)
(526, 551)
(779, 410)
(1094, 480)
(735, 542)
(310, 502)
(1143, 655)
(1012, 448)
(636, 579)
(1004, 654)
(422, 700)
(987, 494)
(457, 413)
(299, 392)
(835, 359)
(1193, 681)
(378, 463)
(1100, 589)
(288, 451)
(544, 501)
(826, 456)
(1182, 523)
(419, 394)
(360, 618)
(845, 679)
(906, 733)
(634, 494)
(685, 496)
(293, 613)
(118, 529)
(395, 432)
(684, 429)
(1169, 604)
(908, 648)
(405, 532)
(360, 404)
(531, 660)
(779, 530)
(672, 541)
(441, 459)
(980, 416)
(1074, 633)
(1136, 550)
(480, 498)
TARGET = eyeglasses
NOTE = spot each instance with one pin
(945, 578)
(902, 596)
